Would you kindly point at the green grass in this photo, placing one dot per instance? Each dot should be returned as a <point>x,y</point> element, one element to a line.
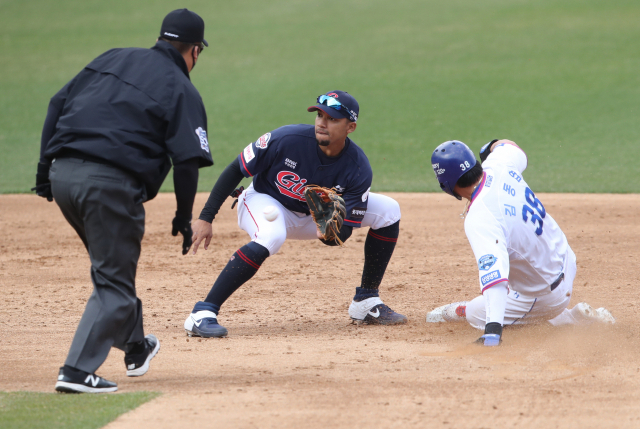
<point>29,410</point>
<point>560,77</point>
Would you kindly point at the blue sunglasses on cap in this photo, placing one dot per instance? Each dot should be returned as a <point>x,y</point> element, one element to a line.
<point>335,104</point>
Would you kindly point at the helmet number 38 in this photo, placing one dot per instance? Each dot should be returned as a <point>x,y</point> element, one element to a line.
<point>465,165</point>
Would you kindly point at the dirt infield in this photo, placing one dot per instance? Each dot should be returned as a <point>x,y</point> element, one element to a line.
<point>292,359</point>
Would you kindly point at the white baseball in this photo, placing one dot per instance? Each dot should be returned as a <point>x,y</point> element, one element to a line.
<point>270,213</point>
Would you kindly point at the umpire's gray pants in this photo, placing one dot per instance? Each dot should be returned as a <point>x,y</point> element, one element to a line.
<point>104,205</point>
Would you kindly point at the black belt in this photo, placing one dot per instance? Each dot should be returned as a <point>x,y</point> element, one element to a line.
<point>71,153</point>
<point>557,282</point>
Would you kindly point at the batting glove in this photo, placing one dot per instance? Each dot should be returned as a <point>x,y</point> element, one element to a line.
<point>183,226</point>
<point>486,150</point>
<point>489,340</point>
<point>43,185</point>
<point>492,335</point>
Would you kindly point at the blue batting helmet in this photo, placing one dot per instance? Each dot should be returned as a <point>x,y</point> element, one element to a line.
<point>450,161</point>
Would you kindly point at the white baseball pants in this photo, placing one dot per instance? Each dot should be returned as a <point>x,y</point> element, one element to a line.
<point>381,211</point>
<point>523,309</point>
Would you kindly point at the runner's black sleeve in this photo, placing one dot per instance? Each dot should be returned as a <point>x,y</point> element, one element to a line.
<point>185,182</point>
<point>227,183</point>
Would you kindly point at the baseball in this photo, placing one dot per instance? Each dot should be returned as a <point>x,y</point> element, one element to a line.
<point>270,213</point>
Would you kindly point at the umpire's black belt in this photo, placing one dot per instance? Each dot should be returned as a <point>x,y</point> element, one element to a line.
<point>71,153</point>
<point>557,282</point>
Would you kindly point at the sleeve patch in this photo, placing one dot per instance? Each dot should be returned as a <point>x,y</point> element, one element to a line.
<point>488,278</point>
<point>263,141</point>
<point>358,212</point>
<point>486,262</point>
<point>248,153</point>
<point>202,135</point>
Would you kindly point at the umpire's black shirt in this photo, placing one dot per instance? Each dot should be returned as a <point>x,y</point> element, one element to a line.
<point>132,108</point>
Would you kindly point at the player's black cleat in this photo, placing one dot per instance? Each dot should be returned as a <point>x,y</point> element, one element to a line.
<point>138,363</point>
<point>208,328</point>
<point>71,380</point>
<point>382,315</point>
<point>492,335</point>
<point>203,322</point>
<point>373,311</point>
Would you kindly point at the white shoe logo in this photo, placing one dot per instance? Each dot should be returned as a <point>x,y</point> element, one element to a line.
<point>197,323</point>
<point>376,314</point>
<point>93,379</point>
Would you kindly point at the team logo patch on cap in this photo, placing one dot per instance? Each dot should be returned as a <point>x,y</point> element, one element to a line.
<point>486,262</point>
<point>263,141</point>
<point>202,135</point>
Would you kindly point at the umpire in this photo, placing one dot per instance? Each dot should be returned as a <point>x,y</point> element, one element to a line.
<point>109,140</point>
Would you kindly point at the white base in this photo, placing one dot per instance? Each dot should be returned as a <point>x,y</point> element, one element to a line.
<point>446,313</point>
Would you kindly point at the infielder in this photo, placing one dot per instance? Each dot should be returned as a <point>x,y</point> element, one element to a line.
<point>282,162</point>
<point>526,267</point>
<point>108,142</point>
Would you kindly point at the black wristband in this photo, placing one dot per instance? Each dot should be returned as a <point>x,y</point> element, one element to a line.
<point>493,328</point>
<point>486,150</point>
<point>42,174</point>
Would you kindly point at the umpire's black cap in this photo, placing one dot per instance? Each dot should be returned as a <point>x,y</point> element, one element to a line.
<point>183,25</point>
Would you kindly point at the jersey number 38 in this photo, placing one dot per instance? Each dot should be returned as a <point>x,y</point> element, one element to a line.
<point>533,203</point>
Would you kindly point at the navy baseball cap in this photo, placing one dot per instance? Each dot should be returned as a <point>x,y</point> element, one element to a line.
<point>337,104</point>
<point>182,25</point>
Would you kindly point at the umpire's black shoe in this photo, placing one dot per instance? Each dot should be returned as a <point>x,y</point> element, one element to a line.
<point>72,380</point>
<point>138,363</point>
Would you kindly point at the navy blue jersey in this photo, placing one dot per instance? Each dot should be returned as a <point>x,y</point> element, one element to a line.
<point>285,160</point>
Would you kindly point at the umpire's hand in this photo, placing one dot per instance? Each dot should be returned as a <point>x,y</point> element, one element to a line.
<point>43,186</point>
<point>183,226</point>
<point>201,231</point>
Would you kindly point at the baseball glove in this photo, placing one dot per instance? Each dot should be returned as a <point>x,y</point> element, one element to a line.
<point>327,210</point>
